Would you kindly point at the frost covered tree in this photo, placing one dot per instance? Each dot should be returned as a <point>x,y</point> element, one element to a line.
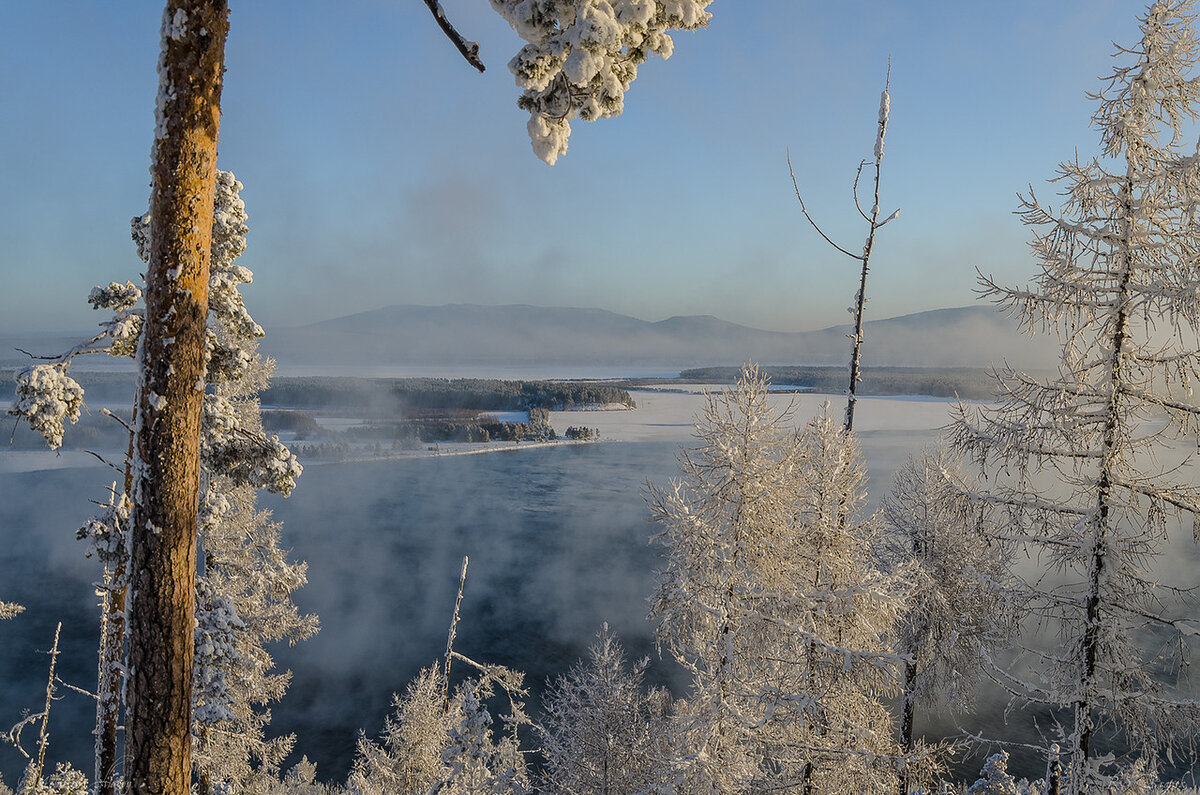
<point>440,739</point>
<point>245,582</point>
<point>243,590</point>
<point>434,744</point>
<point>582,55</point>
<point>961,600</point>
<point>1085,467</point>
<point>244,585</point>
<point>602,733</point>
<point>774,601</point>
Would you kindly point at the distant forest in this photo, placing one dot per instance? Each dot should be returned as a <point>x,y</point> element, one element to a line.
<point>969,383</point>
<point>390,396</point>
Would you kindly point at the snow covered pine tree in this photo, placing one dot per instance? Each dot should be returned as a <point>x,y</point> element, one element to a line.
<point>1083,464</point>
<point>772,598</point>
<point>245,585</point>
<point>601,731</point>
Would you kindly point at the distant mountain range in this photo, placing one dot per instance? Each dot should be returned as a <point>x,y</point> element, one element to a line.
<point>469,334</point>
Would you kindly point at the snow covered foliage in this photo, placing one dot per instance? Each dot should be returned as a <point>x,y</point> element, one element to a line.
<point>10,610</point>
<point>994,779</point>
<point>65,780</point>
<point>582,55</point>
<point>601,730</point>
<point>961,602</point>
<point>479,759</point>
<point>245,585</point>
<point>1093,470</point>
<point>438,744</point>
<point>47,398</point>
<point>125,326</point>
<point>408,759</point>
<point>774,601</point>
<point>217,626</point>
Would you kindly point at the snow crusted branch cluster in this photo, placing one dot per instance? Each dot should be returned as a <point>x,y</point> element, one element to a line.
<point>582,56</point>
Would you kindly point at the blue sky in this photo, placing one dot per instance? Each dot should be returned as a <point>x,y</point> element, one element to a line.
<point>381,169</point>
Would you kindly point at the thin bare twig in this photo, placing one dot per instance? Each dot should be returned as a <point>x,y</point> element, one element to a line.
<point>124,424</point>
<point>103,460</point>
<point>462,584</point>
<point>804,210</point>
<point>857,176</point>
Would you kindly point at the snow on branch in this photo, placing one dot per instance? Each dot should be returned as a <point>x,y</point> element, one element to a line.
<point>469,49</point>
<point>582,55</point>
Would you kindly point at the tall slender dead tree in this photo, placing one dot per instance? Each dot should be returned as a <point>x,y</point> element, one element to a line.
<point>873,226</point>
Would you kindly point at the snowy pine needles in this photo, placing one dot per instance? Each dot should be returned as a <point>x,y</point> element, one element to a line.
<point>582,56</point>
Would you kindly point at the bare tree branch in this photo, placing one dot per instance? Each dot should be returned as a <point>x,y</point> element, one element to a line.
<point>804,210</point>
<point>469,49</point>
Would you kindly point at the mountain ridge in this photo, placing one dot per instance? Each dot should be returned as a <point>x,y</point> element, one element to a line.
<point>516,334</point>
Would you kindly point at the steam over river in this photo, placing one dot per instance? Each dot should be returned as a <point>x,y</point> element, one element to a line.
<point>558,537</point>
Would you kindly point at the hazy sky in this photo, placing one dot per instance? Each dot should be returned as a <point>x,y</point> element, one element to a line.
<point>381,169</point>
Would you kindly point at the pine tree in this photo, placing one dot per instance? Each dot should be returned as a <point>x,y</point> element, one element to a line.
<point>243,591</point>
<point>1082,464</point>
<point>167,429</point>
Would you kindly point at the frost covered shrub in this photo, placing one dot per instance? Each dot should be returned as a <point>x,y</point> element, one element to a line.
<point>773,599</point>
<point>994,779</point>
<point>601,730</point>
<point>65,780</point>
<point>442,742</point>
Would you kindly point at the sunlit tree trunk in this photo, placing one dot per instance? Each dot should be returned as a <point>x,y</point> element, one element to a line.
<point>166,463</point>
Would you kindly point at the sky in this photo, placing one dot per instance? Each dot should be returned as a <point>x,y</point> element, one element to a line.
<point>381,169</point>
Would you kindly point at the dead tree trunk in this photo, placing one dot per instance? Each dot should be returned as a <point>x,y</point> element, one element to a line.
<point>170,396</point>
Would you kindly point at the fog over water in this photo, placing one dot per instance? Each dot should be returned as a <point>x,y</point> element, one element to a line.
<point>559,541</point>
<point>558,537</point>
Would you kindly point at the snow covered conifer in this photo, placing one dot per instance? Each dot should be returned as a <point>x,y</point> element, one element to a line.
<point>601,731</point>
<point>1083,465</point>
<point>961,602</point>
<point>582,55</point>
<point>772,598</point>
<point>432,744</point>
<point>245,582</point>
<point>244,586</point>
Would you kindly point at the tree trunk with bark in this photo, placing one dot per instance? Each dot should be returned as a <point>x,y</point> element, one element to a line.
<point>170,397</point>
